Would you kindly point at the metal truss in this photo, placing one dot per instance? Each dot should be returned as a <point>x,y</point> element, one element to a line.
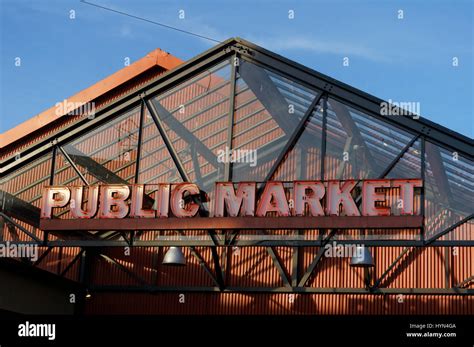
<point>14,210</point>
<point>252,53</point>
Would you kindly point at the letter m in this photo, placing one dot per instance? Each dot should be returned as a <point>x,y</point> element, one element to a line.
<point>240,203</point>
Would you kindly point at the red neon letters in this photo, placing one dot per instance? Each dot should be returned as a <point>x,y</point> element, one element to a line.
<point>310,198</point>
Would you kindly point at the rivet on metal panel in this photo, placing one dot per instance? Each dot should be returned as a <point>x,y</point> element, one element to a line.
<point>425,130</point>
<point>327,87</point>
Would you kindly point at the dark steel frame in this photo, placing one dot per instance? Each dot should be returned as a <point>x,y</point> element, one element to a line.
<point>307,290</point>
<point>249,51</point>
<point>238,49</point>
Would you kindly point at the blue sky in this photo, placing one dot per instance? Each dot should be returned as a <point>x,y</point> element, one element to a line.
<point>407,59</point>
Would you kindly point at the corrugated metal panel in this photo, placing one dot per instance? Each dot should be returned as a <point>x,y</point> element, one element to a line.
<point>251,267</point>
<point>420,268</point>
<point>247,266</point>
<point>237,303</point>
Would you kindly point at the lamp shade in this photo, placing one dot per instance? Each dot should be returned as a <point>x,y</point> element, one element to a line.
<point>174,257</point>
<point>362,257</point>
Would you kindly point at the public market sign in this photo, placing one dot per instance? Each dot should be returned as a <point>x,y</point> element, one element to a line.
<point>304,204</point>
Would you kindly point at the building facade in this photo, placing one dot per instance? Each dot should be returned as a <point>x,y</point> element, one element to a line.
<point>239,113</point>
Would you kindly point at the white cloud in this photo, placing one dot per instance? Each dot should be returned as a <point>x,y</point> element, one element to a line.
<point>282,44</point>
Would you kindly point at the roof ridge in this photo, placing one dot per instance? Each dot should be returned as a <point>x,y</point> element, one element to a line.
<point>157,57</point>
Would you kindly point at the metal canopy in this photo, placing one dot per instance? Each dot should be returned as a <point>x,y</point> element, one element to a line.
<point>252,101</point>
<point>252,52</point>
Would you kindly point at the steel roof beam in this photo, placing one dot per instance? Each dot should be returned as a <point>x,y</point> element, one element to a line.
<point>94,168</point>
<point>288,242</point>
<point>349,125</point>
<point>316,260</point>
<point>435,132</point>
<point>11,222</point>
<point>124,269</point>
<point>439,173</point>
<point>17,208</point>
<point>268,94</point>
<point>391,266</point>
<point>161,114</point>
<point>215,257</point>
<point>448,230</point>
<point>293,139</point>
<point>466,282</point>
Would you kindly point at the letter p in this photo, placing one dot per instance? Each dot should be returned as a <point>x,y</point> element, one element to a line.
<point>54,197</point>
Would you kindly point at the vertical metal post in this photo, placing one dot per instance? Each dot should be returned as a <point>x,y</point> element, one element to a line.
<point>51,182</point>
<point>2,220</point>
<point>422,196</point>
<point>224,256</point>
<point>60,256</point>
<point>230,126</point>
<point>2,226</point>
<point>300,175</point>
<point>139,151</point>
<point>82,267</point>
<point>140,137</point>
<point>324,136</point>
<point>53,166</point>
<point>295,264</point>
<point>84,276</point>
<point>372,271</point>
<point>235,62</point>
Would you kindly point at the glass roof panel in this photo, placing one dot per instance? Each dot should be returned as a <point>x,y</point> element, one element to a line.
<point>359,145</point>
<point>27,183</point>
<point>156,164</point>
<point>303,161</point>
<point>195,116</point>
<point>268,108</point>
<point>109,152</point>
<point>449,189</point>
<point>409,165</point>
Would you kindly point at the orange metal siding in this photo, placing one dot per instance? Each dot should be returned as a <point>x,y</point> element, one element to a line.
<point>65,121</point>
<point>247,266</point>
<point>253,304</point>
